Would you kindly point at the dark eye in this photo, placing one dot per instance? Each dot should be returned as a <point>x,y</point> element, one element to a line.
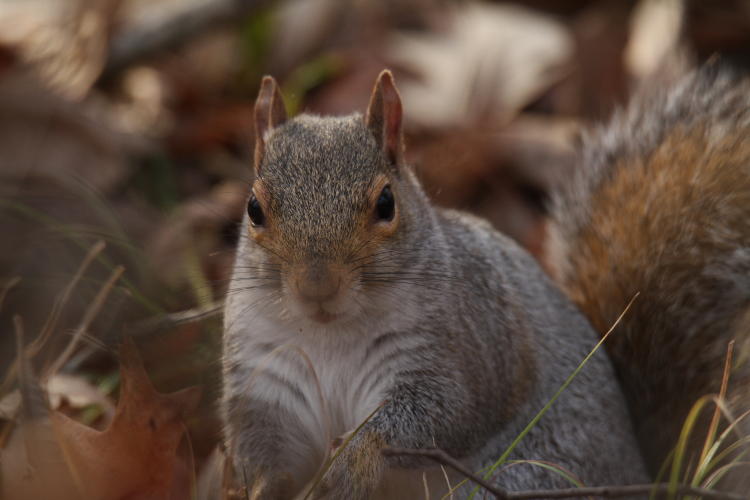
<point>255,212</point>
<point>385,206</point>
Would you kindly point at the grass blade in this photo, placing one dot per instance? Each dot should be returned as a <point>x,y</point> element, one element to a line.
<point>554,398</point>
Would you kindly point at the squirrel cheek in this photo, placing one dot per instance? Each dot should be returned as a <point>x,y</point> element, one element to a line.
<point>386,229</point>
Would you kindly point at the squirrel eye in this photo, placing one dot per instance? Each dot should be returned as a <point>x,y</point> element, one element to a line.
<point>385,206</point>
<point>255,212</point>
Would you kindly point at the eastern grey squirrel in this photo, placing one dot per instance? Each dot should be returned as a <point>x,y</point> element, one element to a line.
<point>354,301</point>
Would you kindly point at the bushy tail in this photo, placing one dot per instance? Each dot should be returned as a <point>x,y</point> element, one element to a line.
<point>661,206</point>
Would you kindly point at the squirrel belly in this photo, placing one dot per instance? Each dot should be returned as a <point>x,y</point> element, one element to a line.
<point>661,206</point>
<point>355,305</point>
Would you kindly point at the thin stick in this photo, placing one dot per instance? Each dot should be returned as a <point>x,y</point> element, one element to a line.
<point>33,400</point>
<point>60,304</point>
<point>6,288</point>
<point>441,457</point>
<point>166,321</point>
<point>722,396</point>
<point>50,325</point>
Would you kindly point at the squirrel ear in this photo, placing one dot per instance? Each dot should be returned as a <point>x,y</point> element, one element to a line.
<point>384,116</point>
<point>269,113</point>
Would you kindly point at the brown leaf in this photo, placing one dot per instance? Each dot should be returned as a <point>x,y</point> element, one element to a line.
<point>135,457</point>
<point>490,62</point>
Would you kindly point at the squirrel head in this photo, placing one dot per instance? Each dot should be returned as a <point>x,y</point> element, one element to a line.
<point>328,200</point>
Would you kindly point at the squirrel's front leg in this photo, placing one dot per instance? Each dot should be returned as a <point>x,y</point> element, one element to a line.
<point>258,445</point>
<point>356,470</point>
<point>420,412</point>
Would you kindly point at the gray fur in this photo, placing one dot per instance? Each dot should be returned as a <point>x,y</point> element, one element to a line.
<point>464,342</point>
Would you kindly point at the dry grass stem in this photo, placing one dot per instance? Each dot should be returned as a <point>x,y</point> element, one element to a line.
<point>443,458</point>
<point>83,327</point>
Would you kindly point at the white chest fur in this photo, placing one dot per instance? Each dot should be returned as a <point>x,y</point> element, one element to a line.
<point>328,381</point>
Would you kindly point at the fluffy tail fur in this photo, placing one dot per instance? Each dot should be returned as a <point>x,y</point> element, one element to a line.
<point>661,206</point>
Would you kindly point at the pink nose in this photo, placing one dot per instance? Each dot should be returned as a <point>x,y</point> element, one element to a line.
<point>316,283</point>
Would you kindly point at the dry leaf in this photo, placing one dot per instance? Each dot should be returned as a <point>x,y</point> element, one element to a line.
<point>65,41</point>
<point>73,389</point>
<point>493,60</point>
<point>656,31</point>
<point>78,392</point>
<point>135,457</point>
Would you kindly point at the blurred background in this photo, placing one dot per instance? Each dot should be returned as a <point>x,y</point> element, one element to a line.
<point>129,122</point>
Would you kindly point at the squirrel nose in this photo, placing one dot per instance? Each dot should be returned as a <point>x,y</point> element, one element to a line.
<point>317,283</point>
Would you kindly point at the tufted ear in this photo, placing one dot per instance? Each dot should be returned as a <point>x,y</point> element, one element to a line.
<point>269,113</point>
<point>384,117</point>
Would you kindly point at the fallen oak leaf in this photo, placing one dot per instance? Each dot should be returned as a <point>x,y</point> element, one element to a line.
<point>136,457</point>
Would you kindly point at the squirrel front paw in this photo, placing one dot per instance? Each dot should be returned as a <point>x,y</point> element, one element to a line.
<point>356,471</point>
<point>264,485</point>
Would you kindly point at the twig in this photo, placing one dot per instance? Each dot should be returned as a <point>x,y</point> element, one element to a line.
<point>50,324</point>
<point>441,457</point>
<point>173,29</point>
<point>722,396</point>
<point>83,327</point>
<point>6,288</point>
<point>171,320</point>
<point>149,326</point>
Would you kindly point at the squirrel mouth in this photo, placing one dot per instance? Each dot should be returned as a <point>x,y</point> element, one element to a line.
<point>323,316</point>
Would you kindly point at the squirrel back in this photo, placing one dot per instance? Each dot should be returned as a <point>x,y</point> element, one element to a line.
<point>660,206</point>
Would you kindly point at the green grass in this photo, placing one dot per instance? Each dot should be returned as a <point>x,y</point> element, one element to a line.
<point>504,457</point>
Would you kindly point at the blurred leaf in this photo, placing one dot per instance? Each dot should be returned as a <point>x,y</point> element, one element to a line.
<point>308,76</point>
<point>656,31</point>
<point>78,392</point>
<point>490,62</point>
<point>65,41</point>
<point>255,46</point>
<point>156,180</point>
